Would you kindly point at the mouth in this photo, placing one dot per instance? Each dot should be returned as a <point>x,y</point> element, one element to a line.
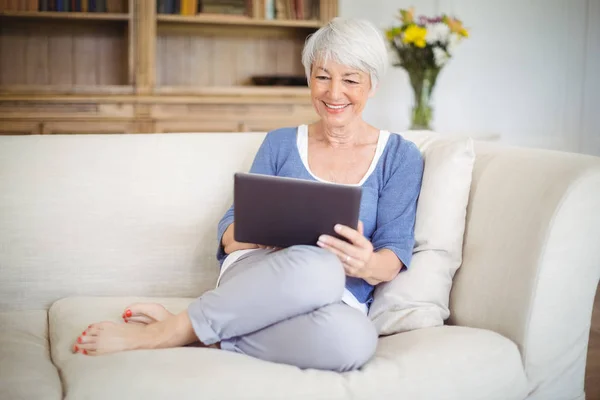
<point>335,107</point>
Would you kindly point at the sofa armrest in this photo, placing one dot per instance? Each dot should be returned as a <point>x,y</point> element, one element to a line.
<point>531,260</point>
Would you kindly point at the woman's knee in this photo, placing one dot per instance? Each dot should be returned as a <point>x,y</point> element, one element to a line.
<point>318,270</point>
<point>356,340</point>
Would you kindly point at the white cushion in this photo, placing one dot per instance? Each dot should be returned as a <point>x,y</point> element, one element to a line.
<point>419,296</point>
<point>439,363</point>
<point>26,371</point>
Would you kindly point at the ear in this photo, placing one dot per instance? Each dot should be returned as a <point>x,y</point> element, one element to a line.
<point>373,90</point>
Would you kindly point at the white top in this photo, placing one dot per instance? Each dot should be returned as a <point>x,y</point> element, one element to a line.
<point>302,143</point>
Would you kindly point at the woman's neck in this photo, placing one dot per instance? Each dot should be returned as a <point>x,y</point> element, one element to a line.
<point>342,136</point>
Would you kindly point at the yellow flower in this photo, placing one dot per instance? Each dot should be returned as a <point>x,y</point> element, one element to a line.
<point>463,32</point>
<point>415,34</point>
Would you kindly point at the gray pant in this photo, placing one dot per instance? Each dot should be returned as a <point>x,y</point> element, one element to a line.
<point>285,306</point>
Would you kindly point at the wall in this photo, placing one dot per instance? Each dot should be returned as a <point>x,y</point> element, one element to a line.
<point>529,71</point>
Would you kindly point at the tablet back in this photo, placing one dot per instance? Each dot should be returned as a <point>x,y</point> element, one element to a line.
<point>282,212</point>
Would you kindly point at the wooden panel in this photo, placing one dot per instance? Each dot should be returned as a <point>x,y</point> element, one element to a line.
<point>36,68</point>
<point>45,15</point>
<point>218,19</point>
<point>55,53</point>
<point>17,127</point>
<point>13,50</point>
<point>201,60</point>
<point>87,127</point>
<point>144,34</point>
<point>268,125</point>
<point>236,112</point>
<point>61,109</point>
<point>192,126</point>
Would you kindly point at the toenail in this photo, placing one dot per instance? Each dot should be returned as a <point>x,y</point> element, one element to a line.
<point>76,349</point>
<point>84,352</point>
<point>79,339</point>
<point>89,326</point>
<point>83,334</point>
<point>128,313</point>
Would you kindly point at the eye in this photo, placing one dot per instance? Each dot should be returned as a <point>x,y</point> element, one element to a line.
<point>351,82</point>
<point>322,77</point>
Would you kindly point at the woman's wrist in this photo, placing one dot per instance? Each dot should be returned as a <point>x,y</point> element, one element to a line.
<point>384,266</point>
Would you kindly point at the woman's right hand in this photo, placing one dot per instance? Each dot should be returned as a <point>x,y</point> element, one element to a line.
<point>230,244</point>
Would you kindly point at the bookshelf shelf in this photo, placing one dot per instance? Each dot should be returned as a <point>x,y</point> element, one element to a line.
<point>66,15</point>
<point>221,19</point>
<point>67,90</point>
<point>271,91</point>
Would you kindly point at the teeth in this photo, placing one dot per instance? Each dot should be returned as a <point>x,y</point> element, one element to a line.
<point>335,107</point>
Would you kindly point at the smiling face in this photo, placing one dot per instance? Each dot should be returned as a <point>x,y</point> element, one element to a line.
<point>339,93</point>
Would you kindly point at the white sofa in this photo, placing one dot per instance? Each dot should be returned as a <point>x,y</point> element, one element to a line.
<point>89,224</point>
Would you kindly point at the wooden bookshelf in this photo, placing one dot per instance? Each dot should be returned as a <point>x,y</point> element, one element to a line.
<point>65,15</point>
<point>241,20</point>
<point>140,71</point>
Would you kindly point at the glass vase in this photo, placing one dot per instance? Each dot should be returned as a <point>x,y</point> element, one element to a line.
<point>423,83</point>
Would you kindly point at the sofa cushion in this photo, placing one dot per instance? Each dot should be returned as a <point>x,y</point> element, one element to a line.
<point>444,362</point>
<point>26,371</point>
<point>114,215</point>
<point>419,296</point>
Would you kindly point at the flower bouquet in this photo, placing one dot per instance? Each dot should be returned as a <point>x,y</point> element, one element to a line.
<point>422,48</point>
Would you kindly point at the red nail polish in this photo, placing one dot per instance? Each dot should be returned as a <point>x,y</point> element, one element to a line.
<point>79,339</point>
<point>84,352</point>
<point>83,334</point>
<point>76,349</point>
<point>128,313</point>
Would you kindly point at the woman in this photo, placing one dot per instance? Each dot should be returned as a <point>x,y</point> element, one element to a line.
<point>304,305</point>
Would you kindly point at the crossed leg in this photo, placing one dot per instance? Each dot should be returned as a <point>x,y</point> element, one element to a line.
<point>267,303</point>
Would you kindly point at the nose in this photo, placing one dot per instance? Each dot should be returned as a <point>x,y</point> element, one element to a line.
<point>335,89</point>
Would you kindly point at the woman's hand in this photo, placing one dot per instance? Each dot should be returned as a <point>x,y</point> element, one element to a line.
<point>230,244</point>
<point>356,256</point>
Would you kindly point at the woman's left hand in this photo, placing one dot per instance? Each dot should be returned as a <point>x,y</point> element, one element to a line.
<point>355,256</point>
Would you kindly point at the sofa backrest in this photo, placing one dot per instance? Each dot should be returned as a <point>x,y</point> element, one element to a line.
<point>113,215</point>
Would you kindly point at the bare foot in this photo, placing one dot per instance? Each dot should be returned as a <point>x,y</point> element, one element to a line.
<point>145,313</point>
<point>109,337</point>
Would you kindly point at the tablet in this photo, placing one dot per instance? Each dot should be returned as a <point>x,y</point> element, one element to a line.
<point>283,212</point>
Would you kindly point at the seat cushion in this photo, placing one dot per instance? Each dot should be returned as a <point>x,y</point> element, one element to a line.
<point>26,371</point>
<point>434,363</point>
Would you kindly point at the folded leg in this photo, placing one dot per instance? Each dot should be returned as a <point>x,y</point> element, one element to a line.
<point>267,287</point>
<point>336,337</point>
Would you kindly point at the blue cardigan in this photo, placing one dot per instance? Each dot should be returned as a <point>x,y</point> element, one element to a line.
<point>389,195</point>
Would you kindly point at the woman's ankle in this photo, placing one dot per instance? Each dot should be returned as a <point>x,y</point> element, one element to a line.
<point>175,331</point>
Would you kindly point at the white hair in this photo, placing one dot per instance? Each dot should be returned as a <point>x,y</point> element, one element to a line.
<point>352,42</point>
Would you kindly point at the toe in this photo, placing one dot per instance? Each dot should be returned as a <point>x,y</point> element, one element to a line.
<point>155,311</point>
<point>83,339</point>
<point>140,319</point>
